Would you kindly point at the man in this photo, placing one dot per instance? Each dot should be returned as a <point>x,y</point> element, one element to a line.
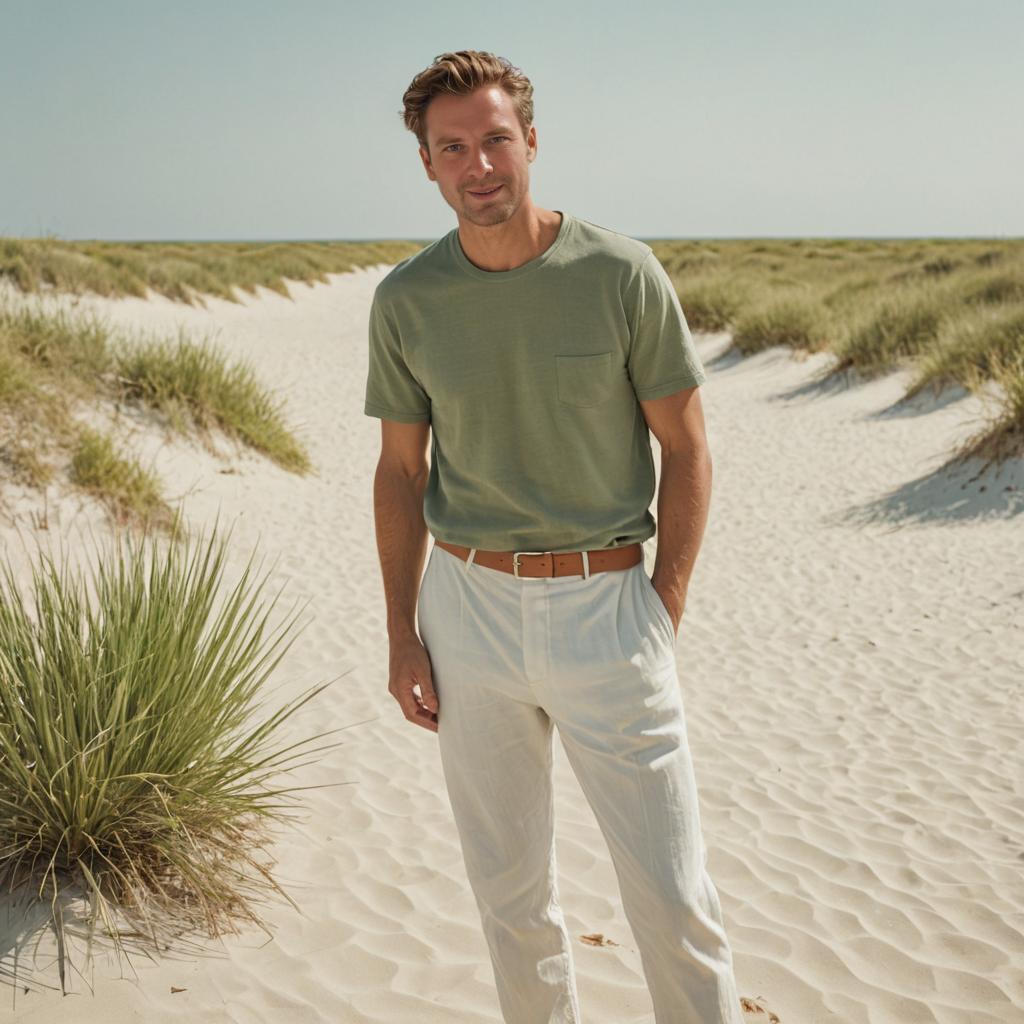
<point>535,350</point>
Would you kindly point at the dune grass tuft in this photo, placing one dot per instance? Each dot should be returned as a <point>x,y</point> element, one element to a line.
<point>969,347</point>
<point>131,492</point>
<point>710,304</point>
<point>194,387</point>
<point>994,288</point>
<point>801,323</point>
<point>134,769</point>
<point>67,346</point>
<point>900,326</point>
<point>1002,436</point>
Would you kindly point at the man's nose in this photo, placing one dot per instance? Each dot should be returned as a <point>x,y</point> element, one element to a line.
<point>481,161</point>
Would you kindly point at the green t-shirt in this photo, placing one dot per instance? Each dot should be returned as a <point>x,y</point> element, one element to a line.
<point>530,379</point>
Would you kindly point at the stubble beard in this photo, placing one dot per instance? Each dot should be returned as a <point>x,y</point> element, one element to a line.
<point>497,213</point>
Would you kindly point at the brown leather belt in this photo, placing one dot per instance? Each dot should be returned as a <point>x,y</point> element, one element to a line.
<point>537,564</point>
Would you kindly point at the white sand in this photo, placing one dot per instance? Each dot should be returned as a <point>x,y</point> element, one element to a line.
<point>852,658</point>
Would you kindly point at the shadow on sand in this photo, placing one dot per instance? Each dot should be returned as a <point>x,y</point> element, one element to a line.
<point>34,959</point>
<point>968,489</point>
<point>954,491</point>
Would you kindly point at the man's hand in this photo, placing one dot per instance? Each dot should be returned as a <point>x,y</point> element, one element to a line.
<point>409,666</point>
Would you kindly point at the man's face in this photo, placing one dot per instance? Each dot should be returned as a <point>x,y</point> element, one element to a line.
<point>476,143</point>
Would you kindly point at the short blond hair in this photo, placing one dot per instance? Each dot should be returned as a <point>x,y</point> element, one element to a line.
<point>461,72</point>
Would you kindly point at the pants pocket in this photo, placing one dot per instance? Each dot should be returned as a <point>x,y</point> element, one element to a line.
<point>660,609</point>
<point>425,599</point>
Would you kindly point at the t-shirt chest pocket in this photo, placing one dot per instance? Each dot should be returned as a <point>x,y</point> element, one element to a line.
<point>584,380</point>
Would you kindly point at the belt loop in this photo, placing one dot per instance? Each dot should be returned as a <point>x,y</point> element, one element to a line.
<point>469,560</point>
<point>586,565</point>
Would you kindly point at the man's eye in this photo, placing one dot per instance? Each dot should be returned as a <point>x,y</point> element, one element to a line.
<point>453,145</point>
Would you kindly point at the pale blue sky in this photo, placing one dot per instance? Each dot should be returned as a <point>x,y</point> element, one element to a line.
<point>265,120</point>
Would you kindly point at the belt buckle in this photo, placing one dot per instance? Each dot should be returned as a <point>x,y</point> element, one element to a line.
<point>515,564</point>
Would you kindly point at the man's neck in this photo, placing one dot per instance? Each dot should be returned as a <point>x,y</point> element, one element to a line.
<point>509,245</point>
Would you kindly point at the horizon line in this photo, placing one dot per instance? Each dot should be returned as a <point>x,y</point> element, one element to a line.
<point>653,238</point>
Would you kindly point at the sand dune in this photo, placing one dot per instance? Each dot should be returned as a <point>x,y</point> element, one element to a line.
<point>852,658</point>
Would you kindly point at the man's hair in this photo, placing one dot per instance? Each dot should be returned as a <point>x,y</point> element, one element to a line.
<point>461,72</point>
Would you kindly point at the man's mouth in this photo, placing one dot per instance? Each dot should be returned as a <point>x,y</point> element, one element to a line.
<point>486,193</point>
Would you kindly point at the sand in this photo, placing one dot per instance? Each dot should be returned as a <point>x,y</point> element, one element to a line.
<point>851,657</point>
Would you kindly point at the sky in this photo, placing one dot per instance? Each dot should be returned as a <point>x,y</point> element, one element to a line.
<point>713,119</point>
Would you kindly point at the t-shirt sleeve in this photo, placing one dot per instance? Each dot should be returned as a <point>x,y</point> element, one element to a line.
<point>392,392</point>
<point>662,356</point>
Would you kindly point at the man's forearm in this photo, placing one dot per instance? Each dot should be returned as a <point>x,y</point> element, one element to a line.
<point>401,545</point>
<point>684,495</point>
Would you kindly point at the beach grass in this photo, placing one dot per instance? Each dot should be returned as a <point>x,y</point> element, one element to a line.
<point>950,311</point>
<point>136,769</point>
<point>183,271</point>
<point>712,303</point>
<point>55,363</point>
<point>1003,435</point>
<point>195,388</point>
<point>130,491</point>
<point>891,328</point>
<point>973,343</point>
<point>794,320</point>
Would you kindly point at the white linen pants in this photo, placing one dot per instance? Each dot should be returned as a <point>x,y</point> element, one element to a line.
<point>595,656</point>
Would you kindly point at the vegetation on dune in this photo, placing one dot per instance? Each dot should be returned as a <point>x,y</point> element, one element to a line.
<point>131,492</point>
<point>970,347</point>
<point>134,774</point>
<point>195,388</point>
<point>183,271</point>
<point>134,769</point>
<point>950,310</point>
<point>891,329</point>
<point>54,364</point>
<point>711,303</point>
<point>796,321</point>
<point>1003,436</point>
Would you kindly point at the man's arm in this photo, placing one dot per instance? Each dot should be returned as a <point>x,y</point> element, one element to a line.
<point>401,544</point>
<point>684,492</point>
<point>398,487</point>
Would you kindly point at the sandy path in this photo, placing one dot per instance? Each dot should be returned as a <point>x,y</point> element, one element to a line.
<point>851,657</point>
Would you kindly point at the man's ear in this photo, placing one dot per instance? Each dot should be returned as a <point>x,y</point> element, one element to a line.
<point>425,157</point>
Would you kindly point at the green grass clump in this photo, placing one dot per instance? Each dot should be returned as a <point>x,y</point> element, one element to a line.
<point>797,322</point>
<point>67,347</point>
<point>994,288</point>
<point>845,295</point>
<point>194,387</point>
<point>710,304</point>
<point>38,387</point>
<point>899,326</point>
<point>970,347</point>
<point>131,492</point>
<point>1003,436</point>
<point>16,382</point>
<point>133,766</point>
